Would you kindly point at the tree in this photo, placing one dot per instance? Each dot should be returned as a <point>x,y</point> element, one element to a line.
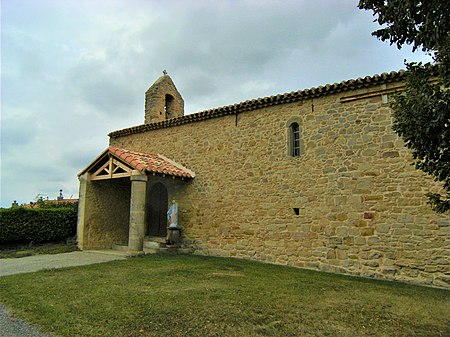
<point>421,113</point>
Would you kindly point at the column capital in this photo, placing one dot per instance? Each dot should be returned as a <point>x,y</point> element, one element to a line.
<point>83,177</point>
<point>138,176</point>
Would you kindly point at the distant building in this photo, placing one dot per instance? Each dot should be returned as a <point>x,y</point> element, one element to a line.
<point>59,200</point>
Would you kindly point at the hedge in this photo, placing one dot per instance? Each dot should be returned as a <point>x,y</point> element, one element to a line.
<point>24,225</point>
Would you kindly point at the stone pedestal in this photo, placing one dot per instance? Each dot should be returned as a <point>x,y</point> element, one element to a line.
<point>173,236</point>
<point>137,211</point>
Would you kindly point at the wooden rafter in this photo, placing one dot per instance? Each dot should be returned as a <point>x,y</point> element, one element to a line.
<point>112,168</point>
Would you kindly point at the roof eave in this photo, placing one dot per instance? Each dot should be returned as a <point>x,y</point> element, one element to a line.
<point>93,162</point>
<point>258,103</point>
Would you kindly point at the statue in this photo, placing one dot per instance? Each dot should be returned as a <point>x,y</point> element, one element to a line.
<point>172,215</point>
<point>173,231</point>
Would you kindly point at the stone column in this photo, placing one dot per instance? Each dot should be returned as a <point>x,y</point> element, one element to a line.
<point>137,211</point>
<point>81,210</point>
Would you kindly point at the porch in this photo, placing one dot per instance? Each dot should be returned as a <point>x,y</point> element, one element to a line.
<point>124,197</point>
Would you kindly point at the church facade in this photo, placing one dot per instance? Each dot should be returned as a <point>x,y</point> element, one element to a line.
<point>314,179</point>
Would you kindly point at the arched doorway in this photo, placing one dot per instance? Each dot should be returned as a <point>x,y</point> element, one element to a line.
<point>157,210</point>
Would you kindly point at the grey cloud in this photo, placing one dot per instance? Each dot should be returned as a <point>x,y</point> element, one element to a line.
<point>79,159</point>
<point>17,132</point>
<point>237,43</point>
<point>29,186</point>
<point>200,84</point>
<point>22,54</point>
<point>107,94</point>
<point>44,174</point>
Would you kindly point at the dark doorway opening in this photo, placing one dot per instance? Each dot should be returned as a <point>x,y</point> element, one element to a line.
<point>157,210</point>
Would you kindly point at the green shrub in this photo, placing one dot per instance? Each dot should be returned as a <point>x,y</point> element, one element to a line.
<point>22,225</point>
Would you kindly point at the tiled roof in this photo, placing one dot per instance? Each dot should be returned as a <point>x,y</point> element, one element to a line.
<point>154,163</point>
<point>258,103</point>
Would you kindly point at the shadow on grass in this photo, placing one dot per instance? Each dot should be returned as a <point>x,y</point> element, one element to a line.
<point>183,295</point>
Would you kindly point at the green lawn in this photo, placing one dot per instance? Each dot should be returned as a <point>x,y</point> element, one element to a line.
<point>181,295</point>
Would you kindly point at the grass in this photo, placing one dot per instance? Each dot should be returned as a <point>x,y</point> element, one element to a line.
<point>181,295</point>
<point>16,251</point>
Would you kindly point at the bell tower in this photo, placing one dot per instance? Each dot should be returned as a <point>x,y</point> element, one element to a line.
<point>163,101</point>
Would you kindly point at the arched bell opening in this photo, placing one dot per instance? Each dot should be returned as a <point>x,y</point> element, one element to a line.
<point>168,106</point>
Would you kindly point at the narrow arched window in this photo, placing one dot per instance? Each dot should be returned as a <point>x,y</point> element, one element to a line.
<point>294,135</point>
<point>168,106</point>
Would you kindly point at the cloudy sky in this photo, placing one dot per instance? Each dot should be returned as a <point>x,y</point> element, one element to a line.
<point>74,70</point>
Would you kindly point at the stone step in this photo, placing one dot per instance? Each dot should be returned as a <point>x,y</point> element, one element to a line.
<point>171,250</point>
<point>155,239</point>
<point>154,244</point>
<point>185,250</point>
<point>154,250</point>
<point>153,247</point>
<point>121,247</point>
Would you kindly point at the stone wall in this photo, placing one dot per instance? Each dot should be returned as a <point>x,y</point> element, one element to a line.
<point>107,213</point>
<point>361,205</point>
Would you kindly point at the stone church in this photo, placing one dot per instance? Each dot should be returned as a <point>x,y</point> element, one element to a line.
<point>314,178</point>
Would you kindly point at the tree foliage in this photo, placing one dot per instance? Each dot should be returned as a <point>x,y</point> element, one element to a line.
<point>420,23</point>
<point>422,119</point>
<point>421,113</point>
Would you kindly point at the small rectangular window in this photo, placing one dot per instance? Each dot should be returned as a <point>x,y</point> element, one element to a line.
<point>296,210</point>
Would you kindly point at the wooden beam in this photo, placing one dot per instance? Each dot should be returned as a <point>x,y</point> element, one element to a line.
<point>104,167</point>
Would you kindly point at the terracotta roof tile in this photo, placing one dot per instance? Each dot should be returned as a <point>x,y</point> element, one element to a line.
<point>258,103</point>
<point>154,163</point>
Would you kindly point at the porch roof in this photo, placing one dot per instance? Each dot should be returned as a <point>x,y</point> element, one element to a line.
<point>143,162</point>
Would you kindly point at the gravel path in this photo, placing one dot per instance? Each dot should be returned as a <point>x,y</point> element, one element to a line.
<point>15,327</point>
